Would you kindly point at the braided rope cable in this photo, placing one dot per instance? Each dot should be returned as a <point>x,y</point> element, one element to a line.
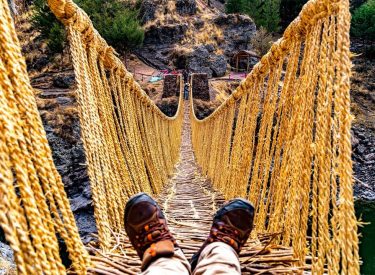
<point>281,140</point>
<point>35,207</point>
<point>287,146</point>
<point>130,146</point>
<point>127,139</point>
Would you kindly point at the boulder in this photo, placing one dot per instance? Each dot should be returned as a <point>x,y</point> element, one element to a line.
<point>7,264</point>
<point>80,203</point>
<point>237,29</point>
<point>218,65</point>
<point>186,7</point>
<point>363,162</point>
<point>201,60</point>
<point>197,61</point>
<point>63,81</point>
<point>147,10</point>
<point>166,34</point>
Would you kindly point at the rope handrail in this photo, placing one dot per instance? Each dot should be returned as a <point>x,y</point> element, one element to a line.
<point>311,12</point>
<point>70,14</point>
<point>130,146</point>
<point>128,122</point>
<point>282,140</point>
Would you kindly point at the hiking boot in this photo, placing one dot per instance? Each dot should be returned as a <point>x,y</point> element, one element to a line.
<point>147,229</point>
<point>232,225</point>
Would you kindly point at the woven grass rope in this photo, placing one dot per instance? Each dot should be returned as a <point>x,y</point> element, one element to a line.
<point>288,148</point>
<point>282,140</point>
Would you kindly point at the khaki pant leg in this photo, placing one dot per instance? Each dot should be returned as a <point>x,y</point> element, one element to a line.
<point>217,259</point>
<point>178,264</point>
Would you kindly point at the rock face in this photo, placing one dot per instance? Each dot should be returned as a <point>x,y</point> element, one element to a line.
<point>148,10</point>
<point>186,7</point>
<point>363,144</point>
<point>218,65</point>
<point>7,264</point>
<point>238,31</point>
<point>230,33</point>
<point>166,34</point>
<point>67,148</point>
<point>70,162</point>
<point>363,130</point>
<point>201,60</point>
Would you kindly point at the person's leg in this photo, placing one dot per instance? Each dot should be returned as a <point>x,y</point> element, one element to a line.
<point>148,232</point>
<point>230,230</point>
<point>177,264</point>
<point>218,258</point>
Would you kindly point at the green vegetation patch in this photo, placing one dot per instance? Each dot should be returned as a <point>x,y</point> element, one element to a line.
<point>116,21</point>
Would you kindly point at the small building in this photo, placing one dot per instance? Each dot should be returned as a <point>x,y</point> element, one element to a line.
<point>244,60</point>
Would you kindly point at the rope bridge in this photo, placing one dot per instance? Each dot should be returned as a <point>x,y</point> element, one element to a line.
<point>282,140</point>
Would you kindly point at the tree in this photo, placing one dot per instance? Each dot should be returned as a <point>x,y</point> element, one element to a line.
<point>363,21</point>
<point>265,13</point>
<point>50,28</point>
<point>354,4</point>
<point>289,10</point>
<point>235,6</point>
<point>272,15</point>
<point>116,21</point>
<point>254,8</point>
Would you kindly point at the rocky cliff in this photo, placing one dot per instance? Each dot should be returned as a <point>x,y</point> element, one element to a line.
<point>186,34</point>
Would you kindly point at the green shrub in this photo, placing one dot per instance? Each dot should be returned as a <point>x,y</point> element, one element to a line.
<point>50,28</point>
<point>116,21</point>
<point>56,38</point>
<point>354,4</point>
<point>363,21</point>
<point>234,6</point>
<point>262,41</point>
<point>289,10</point>
<point>265,13</point>
<point>268,15</point>
<point>124,32</point>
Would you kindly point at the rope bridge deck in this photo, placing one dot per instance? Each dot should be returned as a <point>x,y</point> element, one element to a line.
<point>189,203</point>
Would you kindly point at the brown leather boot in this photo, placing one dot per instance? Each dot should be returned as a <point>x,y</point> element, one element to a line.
<point>147,229</point>
<point>232,225</point>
